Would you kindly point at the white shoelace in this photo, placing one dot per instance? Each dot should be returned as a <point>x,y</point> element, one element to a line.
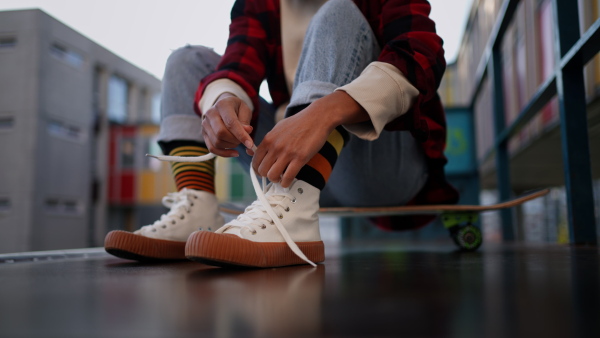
<point>179,202</point>
<point>257,210</point>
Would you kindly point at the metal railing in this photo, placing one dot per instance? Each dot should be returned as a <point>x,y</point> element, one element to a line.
<point>572,51</point>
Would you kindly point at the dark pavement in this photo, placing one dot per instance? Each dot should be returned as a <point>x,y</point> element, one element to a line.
<point>377,289</point>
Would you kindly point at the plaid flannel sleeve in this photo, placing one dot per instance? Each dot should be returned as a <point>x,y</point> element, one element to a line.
<point>245,58</point>
<point>412,44</point>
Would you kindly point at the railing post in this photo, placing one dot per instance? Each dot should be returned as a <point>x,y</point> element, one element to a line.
<point>574,130</point>
<point>502,156</point>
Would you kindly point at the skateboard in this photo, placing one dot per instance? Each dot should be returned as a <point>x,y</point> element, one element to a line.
<point>458,219</point>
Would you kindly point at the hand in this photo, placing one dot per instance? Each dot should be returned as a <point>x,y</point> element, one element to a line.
<point>226,125</point>
<point>296,139</point>
<point>288,147</point>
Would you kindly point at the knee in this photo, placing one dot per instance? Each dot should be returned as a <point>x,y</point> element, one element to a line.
<point>338,6</point>
<point>187,58</point>
<point>337,17</point>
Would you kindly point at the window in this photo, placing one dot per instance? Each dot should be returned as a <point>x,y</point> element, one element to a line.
<point>65,131</point>
<point>6,122</point>
<point>118,94</point>
<point>52,204</point>
<point>127,154</point>
<point>7,42</point>
<point>55,205</point>
<point>546,47</point>
<point>151,147</point>
<point>4,204</point>
<point>71,207</point>
<point>156,102</point>
<point>68,56</point>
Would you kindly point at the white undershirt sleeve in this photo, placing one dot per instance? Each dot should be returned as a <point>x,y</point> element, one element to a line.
<point>385,93</point>
<point>218,87</point>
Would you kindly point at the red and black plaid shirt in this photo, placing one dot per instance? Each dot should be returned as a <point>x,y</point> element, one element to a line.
<point>408,41</point>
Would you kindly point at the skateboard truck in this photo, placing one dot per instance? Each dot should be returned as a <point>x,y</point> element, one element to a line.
<point>460,225</point>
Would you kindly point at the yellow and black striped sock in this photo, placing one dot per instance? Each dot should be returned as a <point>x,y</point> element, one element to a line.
<point>198,176</point>
<point>317,171</point>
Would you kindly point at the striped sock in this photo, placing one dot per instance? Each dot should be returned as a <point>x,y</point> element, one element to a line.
<point>198,176</point>
<point>317,171</point>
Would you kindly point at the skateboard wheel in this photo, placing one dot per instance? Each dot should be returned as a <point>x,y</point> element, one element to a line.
<point>468,238</point>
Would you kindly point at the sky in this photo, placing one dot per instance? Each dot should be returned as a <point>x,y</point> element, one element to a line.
<point>144,32</point>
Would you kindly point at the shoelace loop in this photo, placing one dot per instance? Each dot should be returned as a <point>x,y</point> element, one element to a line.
<point>265,204</point>
<point>178,203</point>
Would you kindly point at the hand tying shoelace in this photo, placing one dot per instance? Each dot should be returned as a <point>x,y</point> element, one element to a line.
<point>263,205</point>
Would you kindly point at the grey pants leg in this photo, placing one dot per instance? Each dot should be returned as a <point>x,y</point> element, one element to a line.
<point>391,170</point>
<point>185,68</point>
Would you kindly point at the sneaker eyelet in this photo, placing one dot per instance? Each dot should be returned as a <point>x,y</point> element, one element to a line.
<point>280,216</point>
<point>200,228</point>
<point>182,217</point>
<point>271,222</point>
<point>153,230</point>
<point>300,190</point>
<point>191,204</point>
<point>263,226</point>
<point>209,229</point>
<point>164,226</point>
<point>294,200</point>
<point>195,197</point>
<point>287,209</point>
<point>254,232</point>
<point>172,222</point>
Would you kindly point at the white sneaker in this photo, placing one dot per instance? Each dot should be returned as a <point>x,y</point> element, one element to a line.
<point>191,210</point>
<point>281,228</point>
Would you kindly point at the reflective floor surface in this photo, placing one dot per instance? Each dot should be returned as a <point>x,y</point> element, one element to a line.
<point>383,289</point>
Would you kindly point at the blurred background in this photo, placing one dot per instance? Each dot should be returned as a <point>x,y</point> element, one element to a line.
<point>80,107</point>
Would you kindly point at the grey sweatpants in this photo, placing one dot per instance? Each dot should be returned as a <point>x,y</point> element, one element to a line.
<point>338,45</point>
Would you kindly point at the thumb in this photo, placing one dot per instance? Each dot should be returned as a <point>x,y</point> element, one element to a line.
<point>244,113</point>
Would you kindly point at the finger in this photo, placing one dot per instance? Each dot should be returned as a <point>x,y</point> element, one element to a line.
<point>235,126</point>
<point>220,152</point>
<point>276,171</point>
<point>209,141</point>
<point>216,141</point>
<point>259,154</point>
<point>248,128</point>
<point>207,132</point>
<point>249,152</point>
<point>245,114</point>
<point>225,145</point>
<point>221,132</point>
<point>290,173</point>
<point>266,164</point>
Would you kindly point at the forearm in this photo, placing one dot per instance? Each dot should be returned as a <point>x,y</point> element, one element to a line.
<point>335,109</point>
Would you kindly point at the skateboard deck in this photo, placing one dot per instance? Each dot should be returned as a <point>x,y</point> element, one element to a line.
<point>458,219</point>
<point>438,209</point>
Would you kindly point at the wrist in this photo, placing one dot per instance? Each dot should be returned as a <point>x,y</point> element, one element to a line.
<point>224,95</point>
<point>338,108</point>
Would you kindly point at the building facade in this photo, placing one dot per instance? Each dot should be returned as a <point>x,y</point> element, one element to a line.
<point>75,120</point>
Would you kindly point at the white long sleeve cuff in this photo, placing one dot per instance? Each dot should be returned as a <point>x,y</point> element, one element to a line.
<point>384,92</point>
<point>218,87</point>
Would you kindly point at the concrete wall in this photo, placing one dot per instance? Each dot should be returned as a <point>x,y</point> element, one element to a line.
<point>53,87</point>
<point>19,90</point>
<point>63,156</point>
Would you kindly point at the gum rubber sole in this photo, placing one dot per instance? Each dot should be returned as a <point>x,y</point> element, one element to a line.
<point>229,250</point>
<point>127,245</point>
